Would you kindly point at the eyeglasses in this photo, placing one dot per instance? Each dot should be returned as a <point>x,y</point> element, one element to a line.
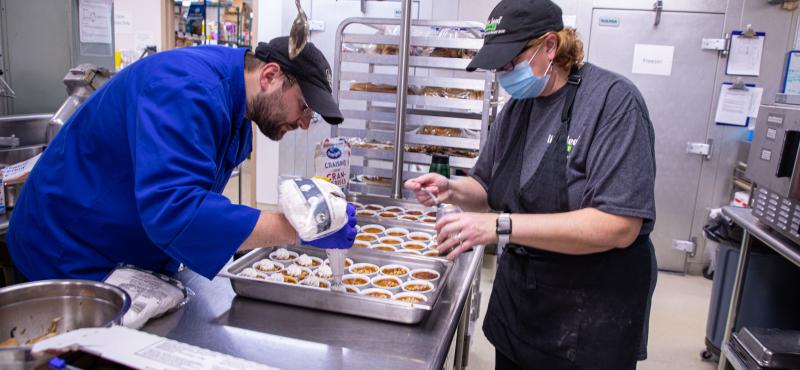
<point>307,114</point>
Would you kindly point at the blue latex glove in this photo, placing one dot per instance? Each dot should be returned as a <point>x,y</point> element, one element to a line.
<point>342,239</point>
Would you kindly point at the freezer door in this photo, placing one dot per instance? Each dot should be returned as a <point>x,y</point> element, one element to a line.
<point>679,105</point>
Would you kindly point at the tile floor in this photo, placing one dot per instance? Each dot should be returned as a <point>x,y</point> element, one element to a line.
<point>677,323</point>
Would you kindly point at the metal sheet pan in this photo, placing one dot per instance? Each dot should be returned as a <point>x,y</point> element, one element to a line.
<point>347,303</point>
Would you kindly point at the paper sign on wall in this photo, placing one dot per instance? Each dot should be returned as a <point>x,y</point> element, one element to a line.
<point>744,57</point>
<point>123,21</point>
<point>95,21</point>
<point>652,59</point>
<point>734,105</point>
<point>791,78</point>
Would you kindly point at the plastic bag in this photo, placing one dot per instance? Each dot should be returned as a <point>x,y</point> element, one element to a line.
<point>152,294</point>
<point>332,160</point>
<point>315,208</point>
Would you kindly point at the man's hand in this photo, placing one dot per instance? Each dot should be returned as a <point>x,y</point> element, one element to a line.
<point>341,239</point>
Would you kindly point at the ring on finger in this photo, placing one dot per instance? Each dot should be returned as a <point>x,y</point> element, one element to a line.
<point>458,237</point>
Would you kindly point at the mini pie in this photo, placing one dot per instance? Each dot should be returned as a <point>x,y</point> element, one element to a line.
<point>393,209</point>
<point>391,241</point>
<point>379,295</point>
<point>295,272</point>
<point>388,214</point>
<point>409,218</point>
<point>417,287</point>
<point>373,207</point>
<point>425,275</point>
<point>366,237</point>
<point>414,212</point>
<point>409,299</point>
<point>387,283</point>
<point>355,281</point>
<point>394,271</point>
<point>420,237</point>
<point>266,265</point>
<point>396,233</point>
<point>414,246</point>
<point>365,270</point>
<point>384,247</point>
<point>371,230</point>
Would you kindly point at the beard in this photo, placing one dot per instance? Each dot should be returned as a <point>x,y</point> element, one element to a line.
<point>266,110</point>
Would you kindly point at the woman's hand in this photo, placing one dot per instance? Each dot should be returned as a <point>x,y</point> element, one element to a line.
<point>434,183</point>
<point>462,231</point>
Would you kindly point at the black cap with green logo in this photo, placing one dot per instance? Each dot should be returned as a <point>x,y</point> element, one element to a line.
<point>511,25</point>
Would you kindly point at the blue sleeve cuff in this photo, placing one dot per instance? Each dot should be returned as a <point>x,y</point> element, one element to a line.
<point>214,234</point>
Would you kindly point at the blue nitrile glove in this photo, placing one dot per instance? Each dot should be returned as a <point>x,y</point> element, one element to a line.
<point>342,239</point>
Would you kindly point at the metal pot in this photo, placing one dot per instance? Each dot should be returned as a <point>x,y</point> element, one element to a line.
<point>27,310</point>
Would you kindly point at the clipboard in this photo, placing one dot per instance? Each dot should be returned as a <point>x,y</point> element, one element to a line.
<point>721,118</point>
<point>745,53</point>
<point>791,75</point>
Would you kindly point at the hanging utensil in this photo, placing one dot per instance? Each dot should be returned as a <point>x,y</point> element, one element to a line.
<point>298,36</point>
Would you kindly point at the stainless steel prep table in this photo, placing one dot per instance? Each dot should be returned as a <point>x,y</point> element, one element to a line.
<point>291,337</point>
<point>752,228</point>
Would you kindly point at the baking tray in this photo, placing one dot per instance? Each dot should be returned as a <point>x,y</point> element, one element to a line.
<point>341,302</point>
<point>770,348</point>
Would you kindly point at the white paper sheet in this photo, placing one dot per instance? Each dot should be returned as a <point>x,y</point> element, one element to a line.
<point>733,106</point>
<point>792,78</point>
<point>653,59</point>
<point>744,58</point>
<point>123,21</point>
<point>755,101</point>
<point>141,350</point>
<point>95,21</point>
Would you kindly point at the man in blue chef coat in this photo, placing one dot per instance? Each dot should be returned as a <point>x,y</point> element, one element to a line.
<point>135,175</point>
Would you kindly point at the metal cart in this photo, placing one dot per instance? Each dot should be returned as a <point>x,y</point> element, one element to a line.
<point>371,116</point>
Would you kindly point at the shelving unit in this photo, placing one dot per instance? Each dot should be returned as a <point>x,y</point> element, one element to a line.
<point>374,118</point>
<point>212,30</point>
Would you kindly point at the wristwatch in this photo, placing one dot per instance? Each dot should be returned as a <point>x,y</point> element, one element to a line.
<point>503,229</point>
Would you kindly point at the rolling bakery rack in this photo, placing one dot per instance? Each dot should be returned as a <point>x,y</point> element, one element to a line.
<point>448,110</point>
<point>405,95</point>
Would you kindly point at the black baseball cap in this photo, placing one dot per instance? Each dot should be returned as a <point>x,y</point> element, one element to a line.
<point>312,71</point>
<point>511,24</point>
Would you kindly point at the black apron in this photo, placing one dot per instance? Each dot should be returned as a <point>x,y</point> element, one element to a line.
<point>556,311</point>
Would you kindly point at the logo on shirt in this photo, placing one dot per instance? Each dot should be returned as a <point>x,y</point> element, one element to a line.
<point>571,142</point>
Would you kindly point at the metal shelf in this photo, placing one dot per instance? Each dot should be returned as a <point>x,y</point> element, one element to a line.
<point>382,135</point>
<point>428,101</point>
<point>413,157</point>
<point>380,115</point>
<point>414,61</point>
<point>733,358</point>
<point>416,119</point>
<point>436,42</point>
<point>383,78</point>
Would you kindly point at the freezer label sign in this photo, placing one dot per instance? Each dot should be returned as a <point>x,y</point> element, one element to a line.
<point>609,22</point>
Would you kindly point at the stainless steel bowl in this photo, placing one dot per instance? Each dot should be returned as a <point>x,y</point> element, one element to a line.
<point>27,310</point>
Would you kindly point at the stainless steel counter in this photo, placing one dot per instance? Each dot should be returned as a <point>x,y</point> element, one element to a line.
<point>776,241</point>
<point>752,229</point>
<point>291,337</point>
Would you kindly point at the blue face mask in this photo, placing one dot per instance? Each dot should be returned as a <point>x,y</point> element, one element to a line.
<point>521,82</point>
